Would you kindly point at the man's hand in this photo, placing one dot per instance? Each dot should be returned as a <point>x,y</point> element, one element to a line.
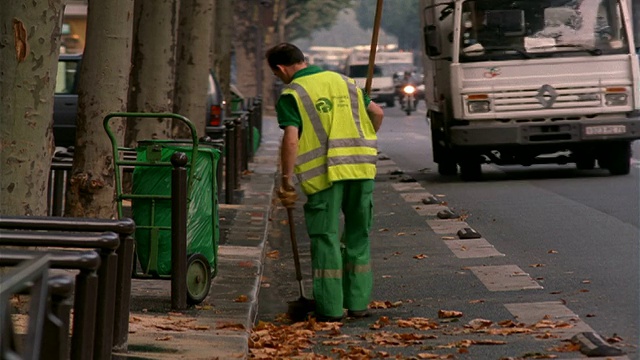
<point>287,194</point>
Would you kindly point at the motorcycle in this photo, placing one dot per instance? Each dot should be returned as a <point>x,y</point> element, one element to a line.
<point>408,103</point>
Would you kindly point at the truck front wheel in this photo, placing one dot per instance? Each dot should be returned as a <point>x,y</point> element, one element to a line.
<point>447,168</point>
<point>471,170</point>
<point>618,158</point>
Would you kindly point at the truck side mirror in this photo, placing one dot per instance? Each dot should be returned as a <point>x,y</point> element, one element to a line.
<point>431,41</point>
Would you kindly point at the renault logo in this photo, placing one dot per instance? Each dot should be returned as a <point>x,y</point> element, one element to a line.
<point>547,96</point>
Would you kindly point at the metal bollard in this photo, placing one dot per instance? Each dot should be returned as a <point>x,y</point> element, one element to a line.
<point>239,145</point>
<point>179,231</point>
<point>55,343</point>
<point>229,162</point>
<point>57,183</point>
<point>250,125</point>
<point>219,145</point>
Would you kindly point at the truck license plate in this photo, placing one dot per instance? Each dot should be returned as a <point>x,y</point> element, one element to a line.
<point>605,130</point>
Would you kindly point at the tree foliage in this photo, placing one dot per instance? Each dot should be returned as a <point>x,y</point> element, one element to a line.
<point>399,17</point>
<point>306,16</point>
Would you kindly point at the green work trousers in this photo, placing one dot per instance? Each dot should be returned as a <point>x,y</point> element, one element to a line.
<point>342,276</point>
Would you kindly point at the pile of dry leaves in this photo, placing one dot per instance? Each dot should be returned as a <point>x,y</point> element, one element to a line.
<point>297,341</point>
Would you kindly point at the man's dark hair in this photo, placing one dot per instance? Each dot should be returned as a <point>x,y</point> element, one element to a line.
<point>284,54</point>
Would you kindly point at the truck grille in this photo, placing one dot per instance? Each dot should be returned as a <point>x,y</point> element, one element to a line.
<point>548,97</point>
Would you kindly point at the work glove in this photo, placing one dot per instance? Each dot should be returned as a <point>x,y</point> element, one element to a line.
<point>287,194</point>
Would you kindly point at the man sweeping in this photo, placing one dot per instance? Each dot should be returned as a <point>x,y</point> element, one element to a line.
<point>329,142</point>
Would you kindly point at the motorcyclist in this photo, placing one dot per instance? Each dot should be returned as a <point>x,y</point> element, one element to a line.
<point>407,79</point>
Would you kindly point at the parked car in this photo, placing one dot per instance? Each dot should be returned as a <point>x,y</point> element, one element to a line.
<point>215,109</point>
<point>65,105</point>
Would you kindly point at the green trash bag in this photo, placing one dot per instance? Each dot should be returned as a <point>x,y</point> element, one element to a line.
<point>153,216</point>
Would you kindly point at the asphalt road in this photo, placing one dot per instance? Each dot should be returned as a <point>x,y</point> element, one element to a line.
<point>572,237</point>
<point>588,220</point>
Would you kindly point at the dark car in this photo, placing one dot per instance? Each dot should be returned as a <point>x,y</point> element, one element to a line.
<point>215,109</point>
<point>65,105</point>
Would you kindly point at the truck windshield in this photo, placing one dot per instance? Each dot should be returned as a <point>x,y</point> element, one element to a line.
<point>362,71</point>
<point>501,30</point>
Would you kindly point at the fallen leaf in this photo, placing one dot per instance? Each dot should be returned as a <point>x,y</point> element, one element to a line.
<point>476,324</point>
<point>489,342</point>
<point>567,347</point>
<point>552,252</point>
<point>477,301</point>
<point>401,234</point>
<point>420,256</point>
<point>383,230</point>
<point>428,356</point>
<point>536,265</point>
<point>231,326</point>
<point>614,339</point>
<point>446,314</point>
<point>273,254</point>
<point>241,299</point>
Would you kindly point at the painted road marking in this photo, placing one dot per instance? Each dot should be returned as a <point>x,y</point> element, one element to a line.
<point>431,210</point>
<point>413,186</point>
<point>496,278</point>
<point>505,278</point>
<point>449,226</point>
<point>475,248</point>
<point>415,197</point>
<point>554,311</point>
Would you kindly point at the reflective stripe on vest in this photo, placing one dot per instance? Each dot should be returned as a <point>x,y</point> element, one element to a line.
<point>358,153</point>
<point>327,274</point>
<point>357,269</point>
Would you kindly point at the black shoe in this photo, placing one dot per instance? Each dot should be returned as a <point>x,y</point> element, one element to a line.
<point>322,318</point>
<point>358,314</point>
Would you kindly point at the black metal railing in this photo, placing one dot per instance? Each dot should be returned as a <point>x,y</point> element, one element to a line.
<point>84,303</point>
<point>114,275</point>
<point>48,325</point>
<point>238,148</point>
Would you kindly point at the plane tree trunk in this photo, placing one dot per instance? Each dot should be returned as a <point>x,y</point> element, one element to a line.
<point>29,49</point>
<point>192,63</point>
<point>152,77</point>
<point>102,89</point>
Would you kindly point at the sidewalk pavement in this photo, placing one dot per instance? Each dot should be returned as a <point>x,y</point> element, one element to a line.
<point>220,326</point>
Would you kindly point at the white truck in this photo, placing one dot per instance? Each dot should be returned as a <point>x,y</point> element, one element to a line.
<point>523,82</point>
<point>387,63</point>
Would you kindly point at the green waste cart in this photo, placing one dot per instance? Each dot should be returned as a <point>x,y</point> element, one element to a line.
<point>151,204</point>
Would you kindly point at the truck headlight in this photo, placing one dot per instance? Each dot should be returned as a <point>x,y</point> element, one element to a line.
<point>478,106</point>
<point>615,99</point>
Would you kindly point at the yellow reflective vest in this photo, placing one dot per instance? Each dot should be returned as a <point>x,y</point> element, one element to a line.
<point>338,141</point>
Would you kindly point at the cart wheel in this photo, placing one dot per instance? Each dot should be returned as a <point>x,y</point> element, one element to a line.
<point>198,278</point>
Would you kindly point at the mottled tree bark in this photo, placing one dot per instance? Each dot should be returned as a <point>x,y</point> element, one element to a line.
<point>103,89</point>
<point>29,49</point>
<point>152,76</point>
<point>221,43</point>
<point>192,63</point>
<point>246,46</point>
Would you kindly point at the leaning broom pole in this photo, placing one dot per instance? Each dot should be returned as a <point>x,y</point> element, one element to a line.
<point>374,46</point>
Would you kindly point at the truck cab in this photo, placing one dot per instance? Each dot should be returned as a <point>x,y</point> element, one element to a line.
<point>530,81</point>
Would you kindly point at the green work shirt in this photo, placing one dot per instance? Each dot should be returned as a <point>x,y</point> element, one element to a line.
<point>287,108</point>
